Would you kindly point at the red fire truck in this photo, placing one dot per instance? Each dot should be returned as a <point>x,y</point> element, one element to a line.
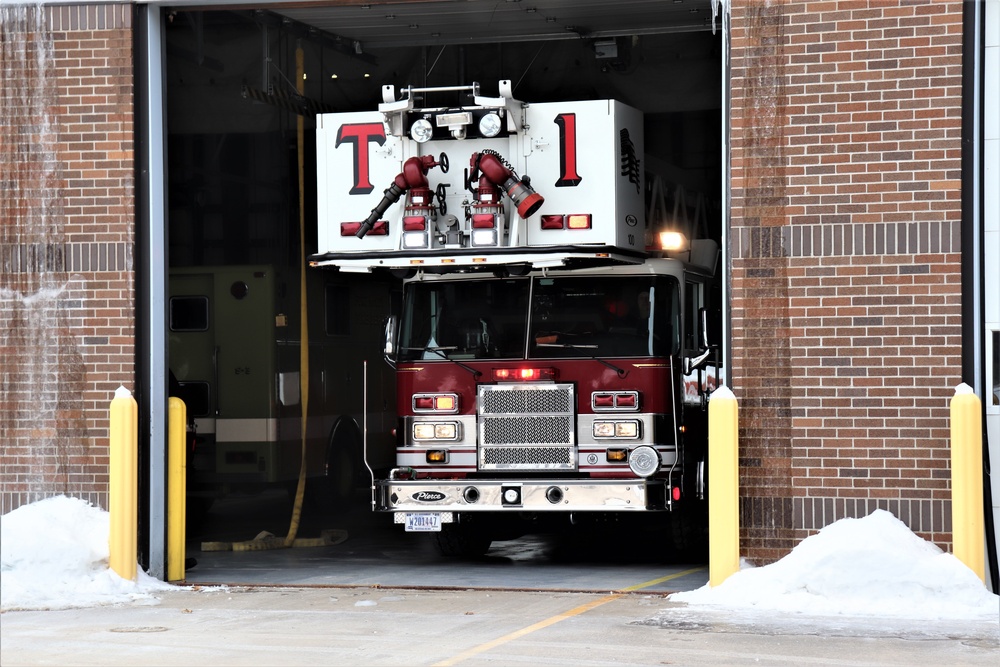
<point>552,359</point>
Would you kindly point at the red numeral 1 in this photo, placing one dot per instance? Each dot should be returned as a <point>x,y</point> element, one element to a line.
<point>568,176</point>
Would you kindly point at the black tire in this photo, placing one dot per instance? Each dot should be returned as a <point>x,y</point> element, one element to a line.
<point>339,486</point>
<point>458,540</point>
<point>688,533</point>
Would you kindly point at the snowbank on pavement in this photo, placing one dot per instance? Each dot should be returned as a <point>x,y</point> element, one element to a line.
<point>54,555</point>
<point>874,566</point>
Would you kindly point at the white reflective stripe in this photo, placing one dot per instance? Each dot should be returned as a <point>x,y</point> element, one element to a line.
<point>204,425</point>
<point>246,430</point>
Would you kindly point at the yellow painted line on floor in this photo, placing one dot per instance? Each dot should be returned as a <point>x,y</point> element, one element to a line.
<point>653,582</point>
<point>552,620</point>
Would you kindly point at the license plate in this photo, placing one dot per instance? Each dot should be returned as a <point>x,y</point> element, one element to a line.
<point>423,522</point>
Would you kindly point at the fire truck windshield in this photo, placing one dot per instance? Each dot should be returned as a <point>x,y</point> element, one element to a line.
<point>541,318</point>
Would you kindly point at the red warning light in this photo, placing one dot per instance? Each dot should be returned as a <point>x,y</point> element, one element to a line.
<point>524,374</point>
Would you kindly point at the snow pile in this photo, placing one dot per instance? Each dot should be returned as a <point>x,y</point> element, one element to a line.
<point>54,555</point>
<point>873,567</point>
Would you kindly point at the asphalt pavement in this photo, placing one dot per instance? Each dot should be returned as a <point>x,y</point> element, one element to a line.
<point>323,625</point>
<point>381,597</point>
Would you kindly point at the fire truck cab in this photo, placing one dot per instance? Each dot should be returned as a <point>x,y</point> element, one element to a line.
<point>552,360</point>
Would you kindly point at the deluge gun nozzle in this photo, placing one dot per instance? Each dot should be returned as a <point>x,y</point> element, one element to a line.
<point>520,191</point>
<point>414,175</point>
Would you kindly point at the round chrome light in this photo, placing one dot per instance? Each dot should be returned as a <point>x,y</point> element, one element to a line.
<point>644,461</point>
<point>421,131</point>
<point>490,125</point>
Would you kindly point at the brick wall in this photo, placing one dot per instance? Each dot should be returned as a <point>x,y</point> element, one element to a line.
<point>66,243</point>
<point>846,124</point>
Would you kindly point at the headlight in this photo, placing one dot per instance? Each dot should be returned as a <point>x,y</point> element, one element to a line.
<point>435,431</point>
<point>628,429</point>
<point>604,429</point>
<point>490,125</point>
<point>616,429</point>
<point>644,461</point>
<point>421,131</point>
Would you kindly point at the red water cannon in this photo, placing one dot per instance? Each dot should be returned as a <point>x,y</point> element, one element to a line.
<point>414,175</point>
<point>500,173</point>
<point>487,198</point>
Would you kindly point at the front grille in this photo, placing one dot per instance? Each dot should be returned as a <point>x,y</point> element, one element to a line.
<point>527,427</point>
<point>527,430</point>
<point>558,399</point>
<point>527,458</point>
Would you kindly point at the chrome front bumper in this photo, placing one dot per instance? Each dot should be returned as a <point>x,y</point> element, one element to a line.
<point>490,495</point>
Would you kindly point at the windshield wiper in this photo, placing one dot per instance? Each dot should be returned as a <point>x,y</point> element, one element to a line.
<point>620,371</point>
<point>440,351</point>
<point>580,346</point>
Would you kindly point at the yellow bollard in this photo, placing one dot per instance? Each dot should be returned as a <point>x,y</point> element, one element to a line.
<point>123,484</point>
<point>176,489</point>
<point>967,515</point>
<point>723,486</point>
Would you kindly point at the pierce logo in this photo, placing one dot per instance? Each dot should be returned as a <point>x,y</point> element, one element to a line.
<point>428,496</point>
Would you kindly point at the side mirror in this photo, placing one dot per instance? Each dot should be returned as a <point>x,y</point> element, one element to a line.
<point>703,328</point>
<point>389,346</point>
<point>692,364</point>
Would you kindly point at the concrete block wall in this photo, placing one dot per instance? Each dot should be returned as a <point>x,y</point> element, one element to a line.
<point>845,229</point>
<point>66,245</point>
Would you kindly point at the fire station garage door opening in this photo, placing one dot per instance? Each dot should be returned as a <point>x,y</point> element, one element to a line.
<point>244,88</point>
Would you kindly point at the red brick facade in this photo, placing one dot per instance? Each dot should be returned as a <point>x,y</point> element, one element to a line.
<point>846,128</point>
<point>844,250</point>
<point>66,280</point>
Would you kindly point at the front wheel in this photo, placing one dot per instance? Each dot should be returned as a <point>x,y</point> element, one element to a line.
<point>339,485</point>
<point>458,540</point>
<point>688,533</point>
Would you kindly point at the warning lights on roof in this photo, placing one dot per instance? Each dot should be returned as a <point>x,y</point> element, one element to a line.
<point>484,229</point>
<point>484,220</point>
<point>415,231</point>
<point>523,374</point>
<point>673,241</point>
<point>571,221</point>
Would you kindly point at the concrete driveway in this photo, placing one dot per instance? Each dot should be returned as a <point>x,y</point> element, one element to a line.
<point>375,626</point>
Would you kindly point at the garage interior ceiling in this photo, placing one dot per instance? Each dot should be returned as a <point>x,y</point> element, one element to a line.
<point>380,24</point>
<point>231,70</point>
